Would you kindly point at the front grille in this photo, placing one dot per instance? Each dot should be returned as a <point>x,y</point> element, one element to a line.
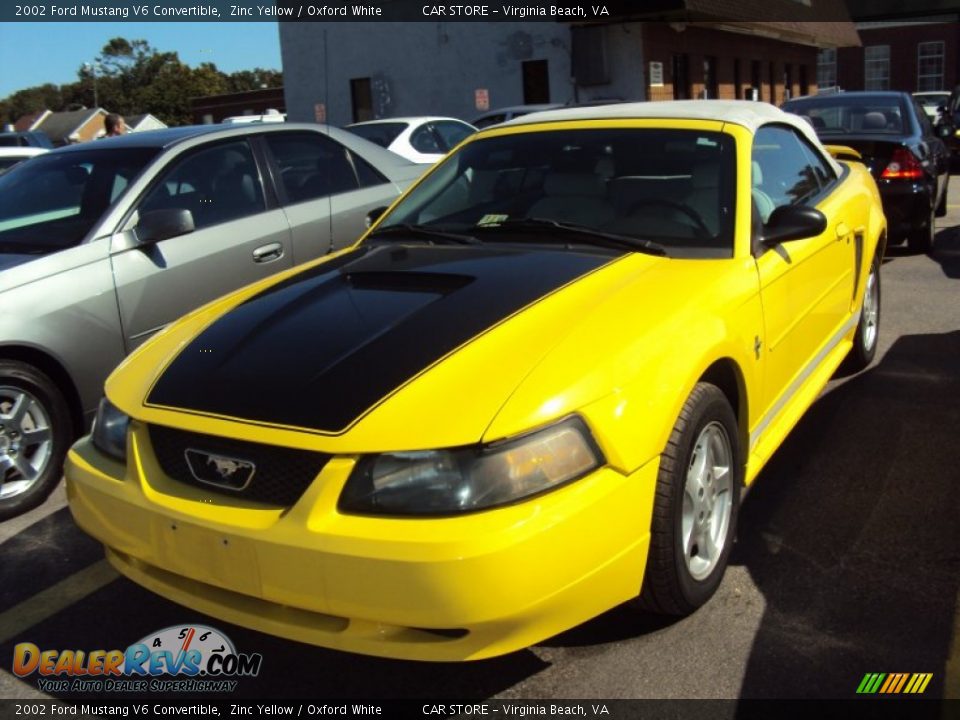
<point>280,475</point>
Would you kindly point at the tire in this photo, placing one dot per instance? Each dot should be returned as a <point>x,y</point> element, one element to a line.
<point>681,575</point>
<point>942,205</point>
<point>35,433</point>
<point>920,239</point>
<point>868,329</point>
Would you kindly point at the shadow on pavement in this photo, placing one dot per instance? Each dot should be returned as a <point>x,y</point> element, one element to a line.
<point>122,613</point>
<point>946,251</point>
<point>851,532</point>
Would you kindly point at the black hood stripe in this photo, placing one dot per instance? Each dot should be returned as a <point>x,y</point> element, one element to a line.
<point>321,349</point>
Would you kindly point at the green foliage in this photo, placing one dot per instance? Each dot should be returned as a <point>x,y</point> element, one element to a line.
<point>133,77</point>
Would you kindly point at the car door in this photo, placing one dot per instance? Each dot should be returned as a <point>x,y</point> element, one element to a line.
<point>806,285</point>
<point>238,238</point>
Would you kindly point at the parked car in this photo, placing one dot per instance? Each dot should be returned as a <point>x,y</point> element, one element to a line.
<point>900,146</point>
<point>933,103</point>
<point>10,156</point>
<point>531,393</point>
<point>418,139</point>
<point>495,117</point>
<point>105,243</point>
<point>26,138</point>
<point>270,116</point>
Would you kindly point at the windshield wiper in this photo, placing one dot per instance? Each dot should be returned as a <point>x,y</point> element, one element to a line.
<point>424,231</point>
<point>592,235</point>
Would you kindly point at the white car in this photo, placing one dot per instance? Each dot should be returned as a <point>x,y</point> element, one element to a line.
<point>419,139</point>
<point>10,156</point>
<point>931,102</point>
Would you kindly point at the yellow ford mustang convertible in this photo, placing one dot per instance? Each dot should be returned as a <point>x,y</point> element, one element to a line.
<point>533,391</point>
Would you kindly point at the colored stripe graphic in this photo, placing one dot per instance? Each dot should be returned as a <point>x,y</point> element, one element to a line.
<point>894,683</point>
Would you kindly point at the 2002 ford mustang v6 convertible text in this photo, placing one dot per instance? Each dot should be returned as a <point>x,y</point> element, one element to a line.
<point>532,392</point>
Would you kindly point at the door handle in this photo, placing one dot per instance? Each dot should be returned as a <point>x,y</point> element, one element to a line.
<point>268,253</point>
<point>842,230</point>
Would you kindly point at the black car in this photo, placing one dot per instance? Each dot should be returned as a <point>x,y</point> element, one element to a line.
<point>897,141</point>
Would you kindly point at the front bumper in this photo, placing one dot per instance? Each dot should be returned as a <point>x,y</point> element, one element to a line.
<point>430,589</point>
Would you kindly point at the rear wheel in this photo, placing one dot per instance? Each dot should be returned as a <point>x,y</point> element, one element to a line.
<point>868,330</point>
<point>35,432</point>
<point>921,239</point>
<point>695,509</point>
<point>942,205</point>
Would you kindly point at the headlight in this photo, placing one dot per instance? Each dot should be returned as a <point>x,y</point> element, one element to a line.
<point>110,431</point>
<point>444,482</point>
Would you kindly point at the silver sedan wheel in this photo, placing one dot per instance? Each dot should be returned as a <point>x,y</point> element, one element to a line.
<point>871,311</point>
<point>707,501</point>
<point>26,441</point>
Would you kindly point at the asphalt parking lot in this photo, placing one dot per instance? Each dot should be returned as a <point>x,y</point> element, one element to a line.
<point>847,559</point>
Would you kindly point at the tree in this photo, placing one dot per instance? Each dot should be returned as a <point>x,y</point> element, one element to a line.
<point>133,77</point>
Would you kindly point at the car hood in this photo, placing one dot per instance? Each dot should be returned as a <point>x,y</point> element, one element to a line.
<point>324,349</point>
<point>410,346</point>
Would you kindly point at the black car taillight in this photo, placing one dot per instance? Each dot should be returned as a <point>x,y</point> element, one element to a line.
<point>902,166</point>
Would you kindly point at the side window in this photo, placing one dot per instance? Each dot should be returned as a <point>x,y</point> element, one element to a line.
<point>366,173</point>
<point>824,171</point>
<point>452,133</point>
<point>424,141</point>
<point>489,120</point>
<point>216,184</point>
<point>781,170</point>
<point>311,165</point>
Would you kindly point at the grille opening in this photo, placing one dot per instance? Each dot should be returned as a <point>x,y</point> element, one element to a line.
<point>280,475</point>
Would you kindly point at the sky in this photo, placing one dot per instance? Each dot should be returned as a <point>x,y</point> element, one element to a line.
<point>37,53</point>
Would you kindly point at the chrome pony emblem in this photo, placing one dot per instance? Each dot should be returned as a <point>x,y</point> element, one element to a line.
<point>220,470</point>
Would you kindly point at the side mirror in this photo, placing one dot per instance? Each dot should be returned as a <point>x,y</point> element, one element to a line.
<point>375,214</point>
<point>157,225</point>
<point>793,222</point>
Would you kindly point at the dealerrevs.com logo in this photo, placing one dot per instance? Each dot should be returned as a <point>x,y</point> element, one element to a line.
<point>182,658</point>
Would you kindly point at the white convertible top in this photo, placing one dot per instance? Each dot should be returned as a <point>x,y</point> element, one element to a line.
<point>746,113</point>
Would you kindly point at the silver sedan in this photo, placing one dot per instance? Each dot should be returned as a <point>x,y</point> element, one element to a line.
<point>103,244</point>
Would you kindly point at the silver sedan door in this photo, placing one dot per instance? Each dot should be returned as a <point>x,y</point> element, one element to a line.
<point>237,239</point>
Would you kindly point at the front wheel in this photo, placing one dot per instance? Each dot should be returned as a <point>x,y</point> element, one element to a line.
<point>35,433</point>
<point>696,504</point>
<point>868,330</point>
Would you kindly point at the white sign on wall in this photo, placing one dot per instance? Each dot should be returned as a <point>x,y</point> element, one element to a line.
<point>656,74</point>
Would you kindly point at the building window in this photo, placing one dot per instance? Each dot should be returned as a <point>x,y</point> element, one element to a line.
<point>804,85</point>
<point>536,82</point>
<point>754,92</point>
<point>737,80</point>
<point>876,67</point>
<point>361,99</point>
<point>930,66</point>
<point>827,68</point>
<point>681,77</point>
<point>711,87</point>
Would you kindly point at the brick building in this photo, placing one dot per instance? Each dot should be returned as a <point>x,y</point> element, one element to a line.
<point>761,61</point>
<point>905,46</point>
<point>344,72</point>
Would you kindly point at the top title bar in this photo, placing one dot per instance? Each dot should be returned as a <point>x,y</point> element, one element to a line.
<point>404,11</point>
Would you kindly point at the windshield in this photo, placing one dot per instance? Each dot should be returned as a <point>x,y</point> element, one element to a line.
<point>53,201</point>
<point>673,187</point>
<point>844,114</point>
<point>380,133</point>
